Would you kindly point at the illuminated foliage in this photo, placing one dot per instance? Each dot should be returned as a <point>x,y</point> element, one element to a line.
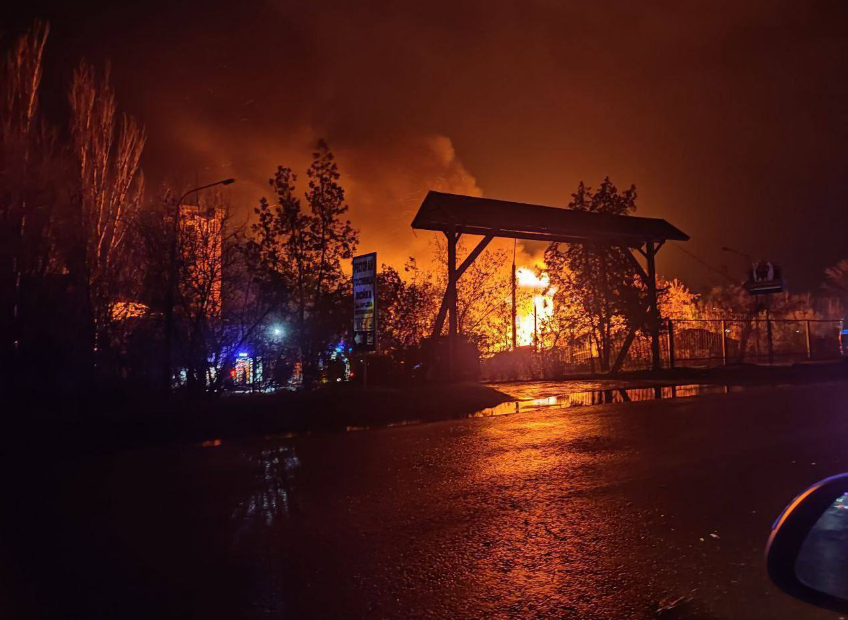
<point>405,308</point>
<point>836,281</point>
<point>598,278</point>
<point>675,300</point>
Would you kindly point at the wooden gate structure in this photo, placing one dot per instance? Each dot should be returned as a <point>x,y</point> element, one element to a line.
<point>455,215</point>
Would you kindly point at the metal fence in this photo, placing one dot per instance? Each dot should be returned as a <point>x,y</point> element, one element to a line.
<point>686,343</point>
<point>709,342</point>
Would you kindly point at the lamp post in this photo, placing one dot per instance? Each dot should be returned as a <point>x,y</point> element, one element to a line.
<point>170,292</point>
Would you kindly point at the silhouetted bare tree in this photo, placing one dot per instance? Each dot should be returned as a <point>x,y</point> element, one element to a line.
<point>36,228</point>
<point>107,149</point>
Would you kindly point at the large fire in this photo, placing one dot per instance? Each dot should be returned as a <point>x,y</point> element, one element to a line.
<point>533,310</point>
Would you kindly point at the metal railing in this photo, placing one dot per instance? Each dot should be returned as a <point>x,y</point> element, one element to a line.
<point>683,343</point>
<point>705,342</point>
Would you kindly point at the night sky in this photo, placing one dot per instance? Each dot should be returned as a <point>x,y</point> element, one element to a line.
<point>730,117</point>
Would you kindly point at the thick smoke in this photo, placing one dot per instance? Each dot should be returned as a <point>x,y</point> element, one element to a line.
<point>726,115</point>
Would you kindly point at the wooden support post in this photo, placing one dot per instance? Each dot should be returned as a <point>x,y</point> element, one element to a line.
<point>653,311</point>
<point>649,278</point>
<point>723,343</point>
<point>809,342</point>
<point>450,296</point>
<point>443,309</point>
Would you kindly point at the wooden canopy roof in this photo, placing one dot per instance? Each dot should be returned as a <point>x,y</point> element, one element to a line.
<point>517,220</point>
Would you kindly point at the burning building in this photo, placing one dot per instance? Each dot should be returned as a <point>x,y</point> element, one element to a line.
<point>200,243</point>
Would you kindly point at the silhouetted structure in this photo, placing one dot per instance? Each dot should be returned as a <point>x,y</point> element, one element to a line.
<point>455,215</point>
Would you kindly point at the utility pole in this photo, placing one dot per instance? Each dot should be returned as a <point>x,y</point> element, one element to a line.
<point>535,325</point>
<point>171,290</point>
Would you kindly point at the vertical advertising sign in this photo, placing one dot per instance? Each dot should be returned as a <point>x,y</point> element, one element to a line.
<point>365,302</point>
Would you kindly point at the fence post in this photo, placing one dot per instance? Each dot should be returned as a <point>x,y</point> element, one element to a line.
<point>768,330</point>
<point>723,342</point>
<point>670,343</point>
<point>809,343</point>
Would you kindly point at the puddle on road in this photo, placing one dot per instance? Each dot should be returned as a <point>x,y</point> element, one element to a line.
<point>389,425</point>
<point>584,398</point>
<point>589,398</point>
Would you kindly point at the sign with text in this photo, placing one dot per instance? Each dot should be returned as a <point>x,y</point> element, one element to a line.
<point>365,302</point>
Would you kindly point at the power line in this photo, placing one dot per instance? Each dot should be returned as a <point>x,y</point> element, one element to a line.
<point>704,263</point>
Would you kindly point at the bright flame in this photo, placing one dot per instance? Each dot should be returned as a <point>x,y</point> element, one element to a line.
<point>123,310</point>
<point>527,278</point>
<point>531,315</point>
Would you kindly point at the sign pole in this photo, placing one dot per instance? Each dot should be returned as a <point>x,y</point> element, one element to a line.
<point>768,330</point>
<point>766,278</point>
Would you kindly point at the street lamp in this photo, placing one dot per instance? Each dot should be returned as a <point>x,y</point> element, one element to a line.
<point>202,187</point>
<point>172,280</point>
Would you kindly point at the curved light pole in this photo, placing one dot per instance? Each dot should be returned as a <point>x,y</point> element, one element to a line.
<point>170,293</point>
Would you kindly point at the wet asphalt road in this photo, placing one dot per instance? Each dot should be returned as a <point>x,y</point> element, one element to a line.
<point>655,509</point>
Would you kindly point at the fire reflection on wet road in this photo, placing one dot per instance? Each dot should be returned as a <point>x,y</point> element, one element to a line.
<point>654,509</point>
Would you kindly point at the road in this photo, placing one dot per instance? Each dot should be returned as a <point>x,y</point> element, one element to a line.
<point>656,509</point>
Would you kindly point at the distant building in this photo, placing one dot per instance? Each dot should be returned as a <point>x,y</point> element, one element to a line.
<point>201,243</point>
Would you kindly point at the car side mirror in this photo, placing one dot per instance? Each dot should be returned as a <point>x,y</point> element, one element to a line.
<point>807,552</point>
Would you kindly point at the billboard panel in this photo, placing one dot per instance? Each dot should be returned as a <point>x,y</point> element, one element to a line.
<point>365,302</point>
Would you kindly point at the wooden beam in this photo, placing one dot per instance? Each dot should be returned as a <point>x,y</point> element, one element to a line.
<point>443,308</point>
<point>628,340</point>
<point>478,249</point>
<point>440,317</point>
<point>622,353</point>
<point>648,243</point>
<point>541,235</point>
<point>639,270</point>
